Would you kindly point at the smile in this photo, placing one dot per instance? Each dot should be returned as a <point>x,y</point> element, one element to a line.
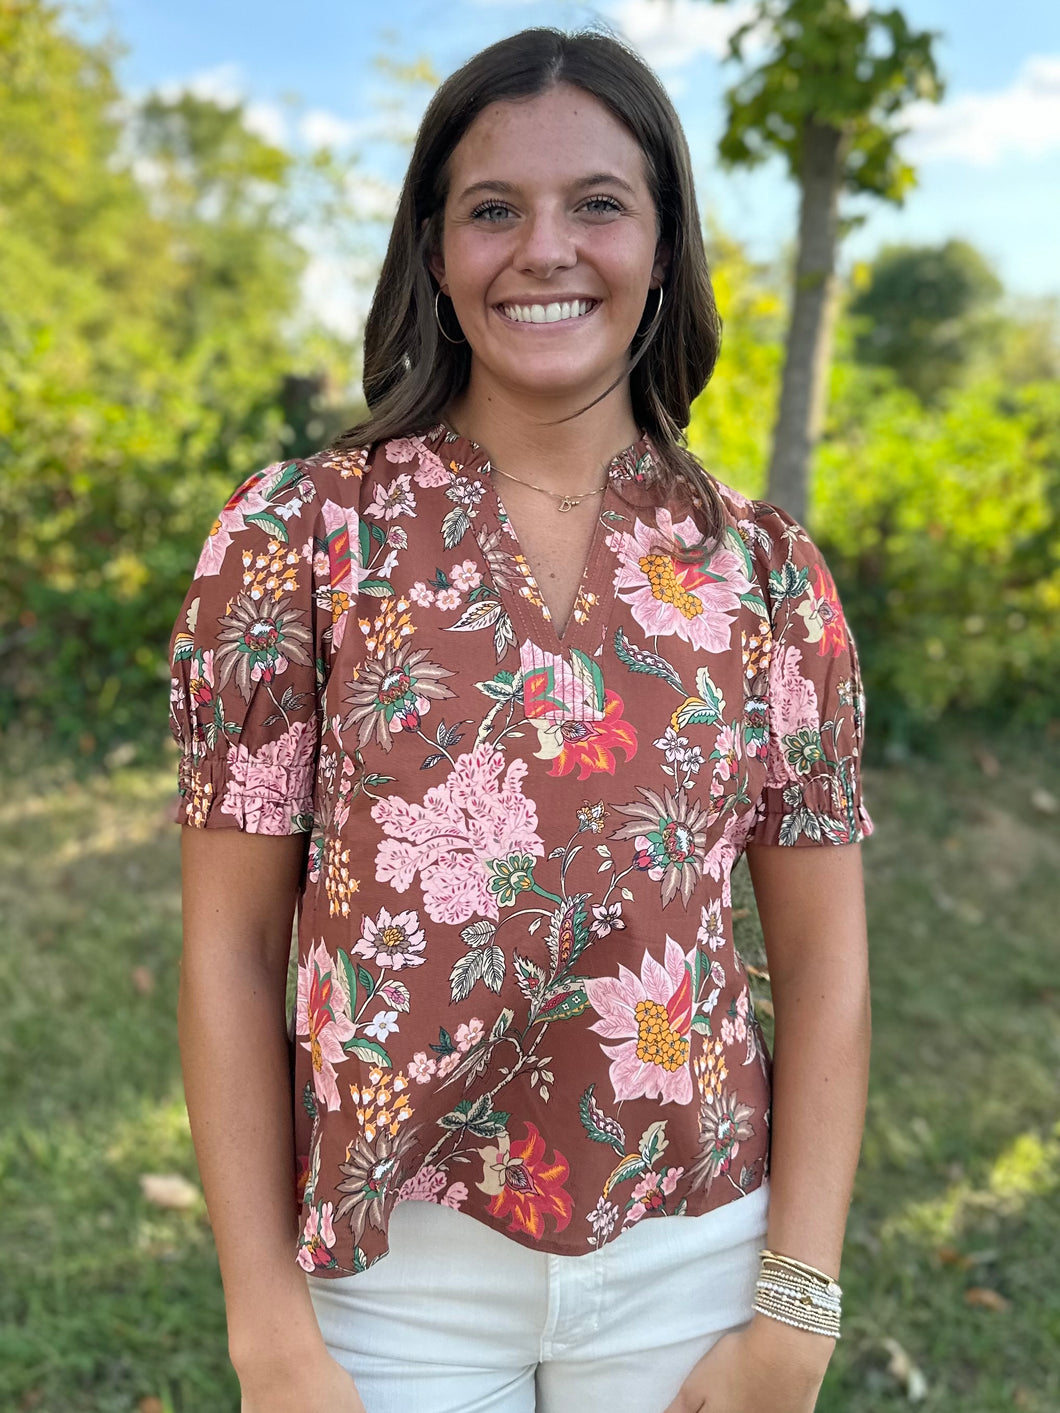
<point>547,313</point>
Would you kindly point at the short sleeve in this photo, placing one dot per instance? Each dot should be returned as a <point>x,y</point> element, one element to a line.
<point>816,706</point>
<point>247,659</point>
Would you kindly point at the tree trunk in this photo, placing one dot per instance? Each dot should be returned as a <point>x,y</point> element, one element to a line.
<point>809,344</point>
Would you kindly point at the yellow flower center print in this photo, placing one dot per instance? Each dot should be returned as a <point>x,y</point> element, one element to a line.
<point>664,586</point>
<point>657,1043</point>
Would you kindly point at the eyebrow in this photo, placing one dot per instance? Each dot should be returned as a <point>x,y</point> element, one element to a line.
<point>510,188</point>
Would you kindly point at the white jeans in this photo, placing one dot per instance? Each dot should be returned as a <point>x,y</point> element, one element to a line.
<point>459,1318</point>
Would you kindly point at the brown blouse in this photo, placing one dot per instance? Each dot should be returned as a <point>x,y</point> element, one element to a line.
<point>518,992</point>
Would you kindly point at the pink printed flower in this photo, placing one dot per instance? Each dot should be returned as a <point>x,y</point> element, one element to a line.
<point>466,576</point>
<point>454,1196</point>
<point>478,813</point>
<point>448,598</point>
<point>698,602</point>
<point>249,498</point>
<point>651,1193</point>
<point>392,941</point>
<point>318,1237</point>
<point>419,593</point>
<point>726,753</point>
<point>423,1186</point>
<point>825,624</point>
<point>390,501</point>
<point>794,708</point>
<point>429,469</point>
<point>652,1017</point>
<point>421,1067</point>
<point>469,1034</point>
<point>323,1011</point>
<point>266,790</point>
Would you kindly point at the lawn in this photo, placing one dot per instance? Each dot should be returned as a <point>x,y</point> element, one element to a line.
<point>112,1304</point>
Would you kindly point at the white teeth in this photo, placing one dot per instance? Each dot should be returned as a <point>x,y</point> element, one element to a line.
<point>546,313</point>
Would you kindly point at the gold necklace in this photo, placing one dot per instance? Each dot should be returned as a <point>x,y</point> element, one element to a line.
<point>566,502</point>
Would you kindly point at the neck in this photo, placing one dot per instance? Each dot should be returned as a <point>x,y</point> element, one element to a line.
<point>527,439</point>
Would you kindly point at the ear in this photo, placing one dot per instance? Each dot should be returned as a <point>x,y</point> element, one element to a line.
<point>436,265</point>
<point>661,269</point>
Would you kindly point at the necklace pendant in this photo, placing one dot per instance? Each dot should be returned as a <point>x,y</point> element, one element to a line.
<point>568,503</point>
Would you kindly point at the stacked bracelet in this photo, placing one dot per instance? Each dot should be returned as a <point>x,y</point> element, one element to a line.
<point>798,1295</point>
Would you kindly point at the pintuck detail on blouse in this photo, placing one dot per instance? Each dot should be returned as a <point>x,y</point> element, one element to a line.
<point>518,992</point>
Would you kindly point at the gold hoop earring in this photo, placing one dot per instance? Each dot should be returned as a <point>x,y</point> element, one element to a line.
<point>655,317</point>
<point>438,319</point>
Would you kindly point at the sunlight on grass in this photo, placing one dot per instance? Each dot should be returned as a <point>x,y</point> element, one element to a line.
<point>1027,1168</point>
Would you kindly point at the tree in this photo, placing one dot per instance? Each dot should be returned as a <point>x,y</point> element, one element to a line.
<point>928,313</point>
<point>155,293</point>
<point>827,97</point>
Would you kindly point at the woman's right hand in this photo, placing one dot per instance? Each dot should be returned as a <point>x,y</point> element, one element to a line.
<point>317,1385</point>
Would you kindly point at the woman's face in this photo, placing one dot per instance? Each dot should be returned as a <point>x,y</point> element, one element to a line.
<point>549,244</point>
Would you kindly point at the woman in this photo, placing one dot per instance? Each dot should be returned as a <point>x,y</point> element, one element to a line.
<point>497,691</point>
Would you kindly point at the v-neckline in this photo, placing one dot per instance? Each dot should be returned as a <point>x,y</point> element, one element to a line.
<point>585,632</point>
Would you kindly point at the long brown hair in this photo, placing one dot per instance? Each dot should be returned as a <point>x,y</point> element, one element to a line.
<point>411,374</point>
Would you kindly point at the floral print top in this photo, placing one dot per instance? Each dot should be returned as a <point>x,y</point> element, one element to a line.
<point>518,992</point>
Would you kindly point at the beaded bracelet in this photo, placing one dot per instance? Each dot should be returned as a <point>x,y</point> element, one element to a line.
<point>798,1295</point>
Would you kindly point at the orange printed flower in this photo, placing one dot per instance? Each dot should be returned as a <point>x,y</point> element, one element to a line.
<point>823,614</point>
<point>588,745</point>
<point>522,1186</point>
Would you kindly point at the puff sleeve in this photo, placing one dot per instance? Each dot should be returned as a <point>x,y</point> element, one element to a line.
<point>815,703</point>
<point>248,663</point>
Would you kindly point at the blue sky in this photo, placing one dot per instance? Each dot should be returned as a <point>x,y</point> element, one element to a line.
<point>988,158</point>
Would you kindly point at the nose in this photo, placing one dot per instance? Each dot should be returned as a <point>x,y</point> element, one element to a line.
<point>547,244</point>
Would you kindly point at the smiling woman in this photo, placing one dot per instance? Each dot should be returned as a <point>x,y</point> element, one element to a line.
<point>531,682</point>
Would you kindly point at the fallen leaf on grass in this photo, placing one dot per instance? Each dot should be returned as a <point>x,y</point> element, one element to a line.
<point>1044,801</point>
<point>985,1298</point>
<point>988,763</point>
<point>143,980</point>
<point>950,1256</point>
<point>169,1190</point>
<point>904,1372</point>
<point>150,1405</point>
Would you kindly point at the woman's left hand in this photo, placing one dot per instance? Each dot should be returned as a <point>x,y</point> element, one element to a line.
<point>765,1365</point>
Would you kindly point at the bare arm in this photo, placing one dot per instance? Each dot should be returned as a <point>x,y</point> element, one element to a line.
<point>239,896</point>
<point>811,902</point>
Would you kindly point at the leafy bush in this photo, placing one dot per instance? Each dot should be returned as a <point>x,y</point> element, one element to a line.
<point>943,531</point>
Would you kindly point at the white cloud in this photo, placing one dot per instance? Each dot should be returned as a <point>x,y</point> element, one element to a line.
<point>982,129</point>
<point>222,85</point>
<point>671,34</point>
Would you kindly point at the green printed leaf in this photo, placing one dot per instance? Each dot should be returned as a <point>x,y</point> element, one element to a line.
<point>639,659</point>
<point>368,1050</point>
<point>349,973</point>
<point>598,1125</point>
<point>377,588</point>
<point>631,1166</point>
<point>272,523</point>
<point>589,675</point>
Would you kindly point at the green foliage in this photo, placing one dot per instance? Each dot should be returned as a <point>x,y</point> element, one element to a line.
<point>942,527</point>
<point>141,366</point>
<point>730,427</point>
<point>929,314</point>
<point>941,524</point>
<point>832,66</point>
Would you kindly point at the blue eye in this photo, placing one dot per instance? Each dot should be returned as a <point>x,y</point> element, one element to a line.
<point>488,207</point>
<point>608,203</point>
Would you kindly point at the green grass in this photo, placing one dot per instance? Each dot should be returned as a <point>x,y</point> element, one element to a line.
<point>106,1301</point>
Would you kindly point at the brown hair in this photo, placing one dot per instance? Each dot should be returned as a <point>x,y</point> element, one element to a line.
<point>411,373</point>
